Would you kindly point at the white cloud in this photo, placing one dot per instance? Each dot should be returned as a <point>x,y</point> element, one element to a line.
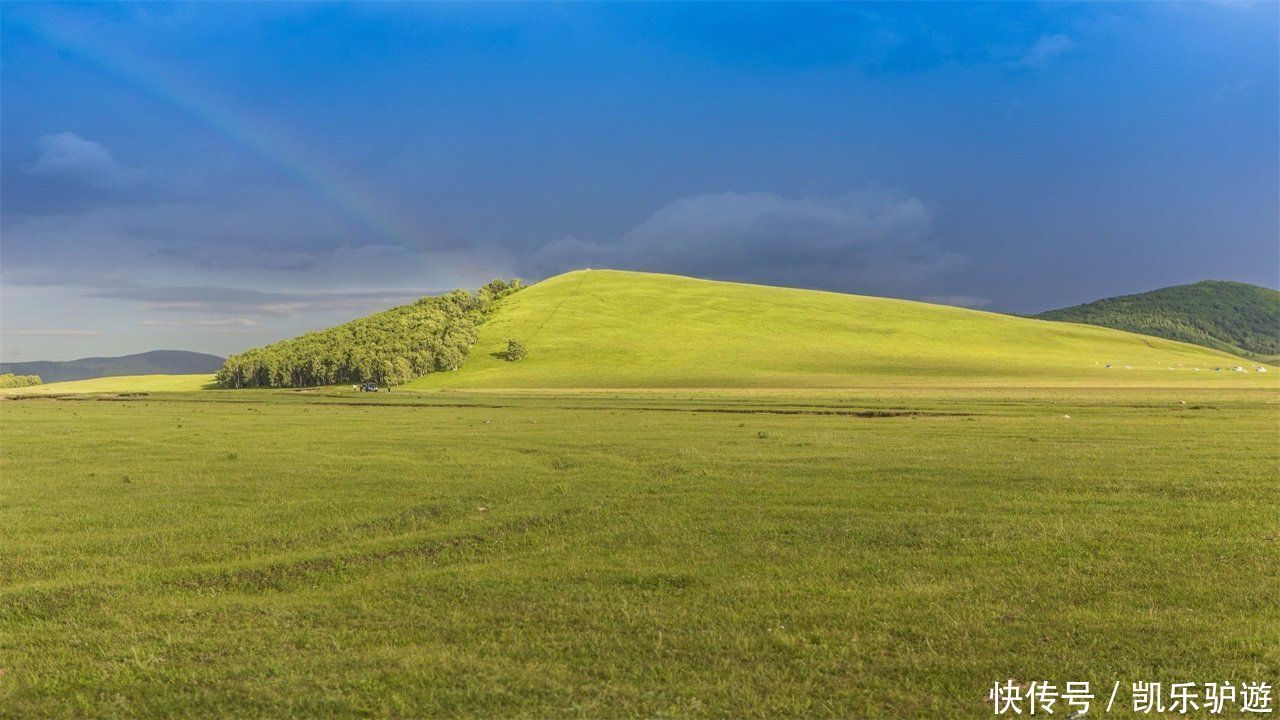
<point>53,333</point>
<point>213,300</point>
<point>965,301</point>
<point>203,323</point>
<point>1043,50</point>
<point>67,155</point>
<point>868,241</point>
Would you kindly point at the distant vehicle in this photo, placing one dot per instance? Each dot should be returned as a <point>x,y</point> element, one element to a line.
<point>369,387</point>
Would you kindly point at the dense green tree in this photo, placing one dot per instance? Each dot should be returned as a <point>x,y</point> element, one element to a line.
<point>392,347</point>
<point>9,380</point>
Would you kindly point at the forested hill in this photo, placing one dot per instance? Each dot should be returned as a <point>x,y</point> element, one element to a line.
<point>1235,317</point>
<point>167,362</point>
<point>390,347</point>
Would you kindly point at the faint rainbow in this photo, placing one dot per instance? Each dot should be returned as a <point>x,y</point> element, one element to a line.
<point>280,151</point>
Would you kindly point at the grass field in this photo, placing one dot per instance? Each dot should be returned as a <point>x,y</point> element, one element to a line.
<point>611,329</point>
<point>119,384</point>
<point>678,553</point>
<point>690,499</point>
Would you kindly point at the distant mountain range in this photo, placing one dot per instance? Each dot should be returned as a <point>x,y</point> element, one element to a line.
<point>1234,317</point>
<point>156,362</point>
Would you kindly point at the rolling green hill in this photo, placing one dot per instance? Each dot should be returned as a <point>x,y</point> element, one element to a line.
<point>611,329</point>
<point>614,329</point>
<point>1234,317</point>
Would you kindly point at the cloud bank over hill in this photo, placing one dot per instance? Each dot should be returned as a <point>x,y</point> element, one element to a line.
<point>872,240</point>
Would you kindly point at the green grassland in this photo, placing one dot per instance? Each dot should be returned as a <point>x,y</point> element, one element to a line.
<point>836,553</point>
<point>690,499</point>
<point>120,384</point>
<point>601,328</point>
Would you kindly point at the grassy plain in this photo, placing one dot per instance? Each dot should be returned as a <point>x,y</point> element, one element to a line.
<point>884,552</point>
<point>120,384</point>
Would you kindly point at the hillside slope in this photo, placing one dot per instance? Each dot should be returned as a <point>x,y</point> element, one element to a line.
<point>156,362</point>
<point>603,328</point>
<point>1235,317</point>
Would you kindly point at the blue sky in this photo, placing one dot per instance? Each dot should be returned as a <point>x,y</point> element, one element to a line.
<point>212,177</point>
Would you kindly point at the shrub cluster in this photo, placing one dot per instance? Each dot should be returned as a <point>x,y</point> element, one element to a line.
<point>389,348</point>
<point>515,350</point>
<point>9,380</point>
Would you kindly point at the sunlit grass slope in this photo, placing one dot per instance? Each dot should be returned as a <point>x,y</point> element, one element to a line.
<point>123,383</point>
<point>604,328</point>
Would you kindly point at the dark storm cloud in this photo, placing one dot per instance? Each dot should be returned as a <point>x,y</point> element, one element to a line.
<point>869,241</point>
<point>1047,154</point>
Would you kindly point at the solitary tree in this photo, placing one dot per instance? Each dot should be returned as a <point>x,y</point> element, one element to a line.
<point>515,350</point>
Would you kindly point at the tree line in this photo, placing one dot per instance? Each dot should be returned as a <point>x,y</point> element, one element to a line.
<point>9,380</point>
<point>1250,341</point>
<point>391,347</point>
